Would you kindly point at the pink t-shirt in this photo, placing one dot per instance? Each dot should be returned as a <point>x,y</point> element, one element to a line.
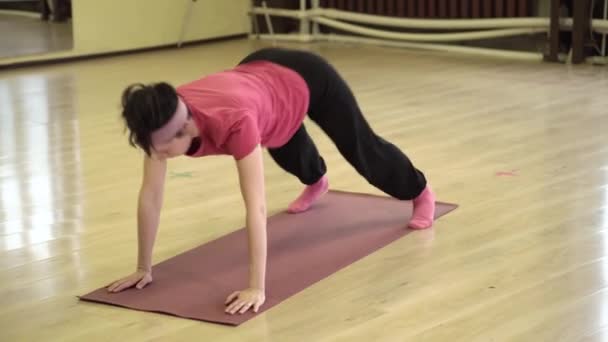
<point>254,103</point>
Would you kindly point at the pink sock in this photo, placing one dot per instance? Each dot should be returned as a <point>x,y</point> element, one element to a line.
<point>424,210</point>
<point>309,196</point>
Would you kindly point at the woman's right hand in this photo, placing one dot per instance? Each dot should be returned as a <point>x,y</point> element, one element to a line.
<point>139,279</point>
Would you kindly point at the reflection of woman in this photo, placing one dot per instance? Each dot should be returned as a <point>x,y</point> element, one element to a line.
<point>62,9</point>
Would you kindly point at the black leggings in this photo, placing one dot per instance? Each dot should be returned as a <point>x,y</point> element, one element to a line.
<point>333,107</point>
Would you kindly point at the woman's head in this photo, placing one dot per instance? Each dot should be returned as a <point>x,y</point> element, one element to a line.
<point>157,119</point>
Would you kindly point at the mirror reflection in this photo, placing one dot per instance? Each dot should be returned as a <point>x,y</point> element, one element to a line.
<point>32,27</point>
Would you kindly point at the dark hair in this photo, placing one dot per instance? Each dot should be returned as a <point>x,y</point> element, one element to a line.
<point>146,108</point>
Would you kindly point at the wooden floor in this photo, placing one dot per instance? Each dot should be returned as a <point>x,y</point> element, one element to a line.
<point>520,146</point>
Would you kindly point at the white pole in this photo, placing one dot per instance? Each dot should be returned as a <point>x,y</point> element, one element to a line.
<point>185,23</point>
<point>268,21</point>
<point>287,37</point>
<point>428,37</point>
<point>269,24</point>
<point>600,25</point>
<point>304,23</point>
<point>445,24</point>
<point>315,25</point>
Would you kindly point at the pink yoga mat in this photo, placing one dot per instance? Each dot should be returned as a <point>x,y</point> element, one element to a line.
<point>302,250</point>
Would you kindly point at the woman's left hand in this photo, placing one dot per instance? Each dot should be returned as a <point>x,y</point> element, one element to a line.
<point>241,301</point>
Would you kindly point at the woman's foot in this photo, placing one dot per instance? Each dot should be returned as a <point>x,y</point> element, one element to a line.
<point>309,196</point>
<point>424,210</point>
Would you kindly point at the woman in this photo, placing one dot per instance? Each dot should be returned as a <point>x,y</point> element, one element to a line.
<point>262,102</point>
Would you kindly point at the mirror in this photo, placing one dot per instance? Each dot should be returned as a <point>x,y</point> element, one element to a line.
<point>34,27</point>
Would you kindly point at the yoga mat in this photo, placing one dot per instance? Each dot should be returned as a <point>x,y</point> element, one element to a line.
<point>303,249</point>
